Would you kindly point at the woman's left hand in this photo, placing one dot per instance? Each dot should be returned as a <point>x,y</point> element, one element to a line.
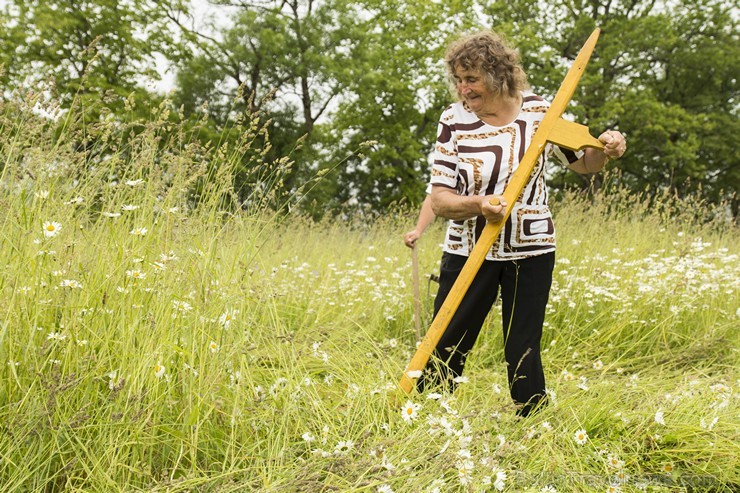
<point>615,145</point>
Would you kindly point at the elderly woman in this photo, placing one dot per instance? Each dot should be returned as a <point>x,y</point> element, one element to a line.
<point>481,139</point>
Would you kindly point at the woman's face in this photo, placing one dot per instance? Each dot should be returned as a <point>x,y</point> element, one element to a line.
<point>472,88</point>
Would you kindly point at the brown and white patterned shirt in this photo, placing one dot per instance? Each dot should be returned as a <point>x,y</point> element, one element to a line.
<point>475,158</point>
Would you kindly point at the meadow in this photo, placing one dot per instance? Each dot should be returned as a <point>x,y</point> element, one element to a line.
<point>156,340</point>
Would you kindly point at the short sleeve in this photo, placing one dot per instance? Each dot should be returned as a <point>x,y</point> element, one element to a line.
<point>444,167</point>
<point>562,155</point>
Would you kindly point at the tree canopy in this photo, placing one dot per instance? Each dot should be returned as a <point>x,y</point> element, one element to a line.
<point>353,89</point>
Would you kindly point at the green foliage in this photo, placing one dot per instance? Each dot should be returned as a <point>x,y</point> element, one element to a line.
<point>153,337</point>
<point>91,50</point>
<point>331,77</point>
<point>666,77</point>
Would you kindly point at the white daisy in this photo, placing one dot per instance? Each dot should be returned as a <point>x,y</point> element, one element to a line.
<point>159,370</point>
<point>135,274</point>
<point>139,231</point>
<point>580,436</point>
<point>51,228</point>
<point>410,411</point>
<point>659,417</point>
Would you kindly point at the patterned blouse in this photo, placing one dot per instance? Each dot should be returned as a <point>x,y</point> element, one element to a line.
<point>475,158</point>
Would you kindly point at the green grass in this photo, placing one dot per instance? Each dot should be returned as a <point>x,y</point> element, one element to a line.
<point>279,341</point>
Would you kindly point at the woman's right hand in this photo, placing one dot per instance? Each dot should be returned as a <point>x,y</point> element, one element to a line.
<point>493,208</point>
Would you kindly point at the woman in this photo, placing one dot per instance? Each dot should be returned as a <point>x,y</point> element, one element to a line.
<point>481,139</point>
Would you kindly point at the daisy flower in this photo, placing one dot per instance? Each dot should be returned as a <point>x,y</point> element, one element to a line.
<point>139,231</point>
<point>159,370</point>
<point>659,417</point>
<point>500,480</point>
<point>308,437</point>
<point>465,471</point>
<point>384,488</point>
<point>548,489</point>
<point>225,319</point>
<point>129,207</point>
<point>51,228</point>
<point>213,346</point>
<point>133,183</point>
<point>580,437</point>
<point>343,447</point>
<point>410,411</point>
<point>135,274</point>
<point>614,462</point>
<point>70,283</point>
<point>667,468</point>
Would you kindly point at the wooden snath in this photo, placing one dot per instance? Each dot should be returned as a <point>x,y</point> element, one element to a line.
<point>553,128</point>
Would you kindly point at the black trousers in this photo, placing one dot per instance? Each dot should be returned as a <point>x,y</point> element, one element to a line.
<point>525,288</point>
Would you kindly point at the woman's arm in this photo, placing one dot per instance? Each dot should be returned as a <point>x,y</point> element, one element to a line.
<point>448,204</point>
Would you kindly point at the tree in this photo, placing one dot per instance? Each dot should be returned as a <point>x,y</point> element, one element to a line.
<point>667,77</point>
<point>89,49</point>
<point>341,73</point>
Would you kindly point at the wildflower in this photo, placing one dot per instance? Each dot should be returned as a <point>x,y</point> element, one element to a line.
<point>461,379</point>
<point>112,214</point>
<point>159,370</point>
<point>308,437</point>
<point>413,373</point>
<point>384,488</point>
<point>55,336</point>
<point>580,436</point>
<point>225,319</point>
<point>133,183</point>
<point>113,378</point>
<point>659,417</point>
<point>614,462</point>
<point>75,201</point>
<point>465,471</point>
<point>139,231</point>
<point>182,306</point>
<point>410,411</point>
<point>547,426</point>
<point>213,346</point>
<point>598,365</point>
<point>343,447</point>
<point>51,228</point>
<point>500,480</point>
<point>167,257</point>
<point>548,489</point>
<point>42,194</point>
<point>135,274</point>
<point>667,468</point>
<point>613,488</point>
<point>129,207</point>
<point>70,283</point>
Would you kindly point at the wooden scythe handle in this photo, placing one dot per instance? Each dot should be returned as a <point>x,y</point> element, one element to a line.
<point>568,134</point>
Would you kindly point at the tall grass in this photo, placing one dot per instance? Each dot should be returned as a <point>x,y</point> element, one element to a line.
<point>160,336</point>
